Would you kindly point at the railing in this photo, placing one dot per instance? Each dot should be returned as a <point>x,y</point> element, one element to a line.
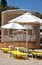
<point>20,37</point>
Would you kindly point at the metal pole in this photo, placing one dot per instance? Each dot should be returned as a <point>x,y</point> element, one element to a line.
<point>27,37</point>
<point>13,37</point>
<point>13,41</point>
<point>8,36</point>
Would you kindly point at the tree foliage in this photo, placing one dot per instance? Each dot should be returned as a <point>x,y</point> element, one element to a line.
<point>3,3</point>
<point>41,16</point>
<point>4,6</point>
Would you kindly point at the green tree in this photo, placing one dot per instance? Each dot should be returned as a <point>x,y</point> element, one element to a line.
<point>3,3</point>
<point>41,16</point>
<point>4,6</point>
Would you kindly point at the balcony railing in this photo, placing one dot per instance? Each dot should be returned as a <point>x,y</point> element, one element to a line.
<point>20,37</point>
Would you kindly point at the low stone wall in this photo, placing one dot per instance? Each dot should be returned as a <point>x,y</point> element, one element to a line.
<point>19,44</point>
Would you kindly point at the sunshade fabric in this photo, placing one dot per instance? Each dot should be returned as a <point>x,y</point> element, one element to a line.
<point>26,18</point>
<point>12,26</point>
<point>41,27</point>
<point>40,33</point>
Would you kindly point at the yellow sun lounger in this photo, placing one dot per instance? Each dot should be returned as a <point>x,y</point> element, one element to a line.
<point>6,49</point>
<point>37,53</point>
<point>17,53</point>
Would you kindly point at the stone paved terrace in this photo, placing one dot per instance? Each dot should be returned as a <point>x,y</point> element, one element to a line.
<point>5,59</point>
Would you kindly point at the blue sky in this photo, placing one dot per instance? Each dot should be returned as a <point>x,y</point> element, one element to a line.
<point>35,5</point>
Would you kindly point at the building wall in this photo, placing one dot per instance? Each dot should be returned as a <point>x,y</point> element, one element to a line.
<point>11,14</point>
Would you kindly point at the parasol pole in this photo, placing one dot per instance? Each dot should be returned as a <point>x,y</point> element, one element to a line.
<point>27,37</point>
